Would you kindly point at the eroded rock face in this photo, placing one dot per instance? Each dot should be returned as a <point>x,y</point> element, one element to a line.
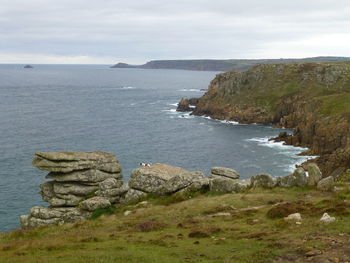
<point>81,183</point>
<point>66,162</point>
<point>262,180</point>
<point>182,180</point>
<point>315,174</point>
<point>226,185</point>
<point>45,216</point>
<point>85,176</point>
<point>95,203</point>
<point>225,172</point>
<point>187,104</point>
<point>155,179</point>
<point>297,178</point>
<point>132,195</point>
<point>326,184</point>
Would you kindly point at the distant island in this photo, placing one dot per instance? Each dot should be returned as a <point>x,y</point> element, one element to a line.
<point>28,66</point>
<point>222,65</point>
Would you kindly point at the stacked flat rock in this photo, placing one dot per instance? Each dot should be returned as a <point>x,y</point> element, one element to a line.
<point>81,183</point>
<point>226,180</point>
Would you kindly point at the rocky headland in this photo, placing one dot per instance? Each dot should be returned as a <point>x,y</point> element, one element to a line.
<point>311,98</point>
<point>221,64</point>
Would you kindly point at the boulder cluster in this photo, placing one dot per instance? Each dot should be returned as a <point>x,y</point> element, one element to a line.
<point>83,182</point>
<point>310,176</point>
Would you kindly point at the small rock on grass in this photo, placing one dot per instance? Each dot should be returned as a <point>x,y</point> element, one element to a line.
<point>294,217</point>
<point>326,218</point>
<point>128,212</point>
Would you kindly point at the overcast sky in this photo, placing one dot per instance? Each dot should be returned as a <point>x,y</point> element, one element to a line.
<point>135,31</point>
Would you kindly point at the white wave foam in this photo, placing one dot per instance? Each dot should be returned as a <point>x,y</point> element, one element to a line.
<point>230,122</point>
<point>191,90</point>
<point>128,87</point>
<point>288,150</point>
<point>171,111</point>
<point>186,116</point>
<point>173,104</point>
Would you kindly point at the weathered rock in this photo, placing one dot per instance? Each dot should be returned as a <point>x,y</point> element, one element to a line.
<point>112,190</point>
<point>184,105</point>
<point>110,183</point>
<point>127,212</point>
<point>262,180</point>
<point>91,175</point>
<point>73,189</point>
<point>226,172</point>
<point>326,184</point>
<point>315,174</point>
<point>326,218</point>
<point>44,216</point>
<point>298,178</point>
<point>181,181</point>
<point>293,217</point>
<point>202,184</point>
<point>152,179</point>
<point>46,191</point>
<point>64,201</point>
<point>66,162</point>
<point>132,195</point>
<point>226,185</point>
<point>64,194</point>
<point>95,203</point>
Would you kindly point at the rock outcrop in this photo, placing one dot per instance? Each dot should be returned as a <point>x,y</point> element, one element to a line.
<point>227,185</point>
<point>82,182</point>
<point>314,174</point>
<point>164,179</point>
<point>262,180</point>
<point>297,178</point>
<point>326,184</point>
<point>187,104</point>
<point>225,172</point>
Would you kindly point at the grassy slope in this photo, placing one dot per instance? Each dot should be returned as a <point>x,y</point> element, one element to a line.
<point>161,231</point>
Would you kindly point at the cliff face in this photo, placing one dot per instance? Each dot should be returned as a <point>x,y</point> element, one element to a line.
<point>312,98</point>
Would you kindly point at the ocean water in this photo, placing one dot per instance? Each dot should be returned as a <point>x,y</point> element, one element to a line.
<point>130,112</point>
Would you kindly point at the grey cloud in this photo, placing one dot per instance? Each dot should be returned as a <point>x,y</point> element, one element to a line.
<point>151,29</point>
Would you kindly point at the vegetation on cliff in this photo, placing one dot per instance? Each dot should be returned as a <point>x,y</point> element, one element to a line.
<point>198,227</point>
<point>221,65</point>
<point>313,98</point>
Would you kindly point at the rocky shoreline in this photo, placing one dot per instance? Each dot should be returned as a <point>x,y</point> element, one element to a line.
<point>85,182</point>
<point>310,98</point>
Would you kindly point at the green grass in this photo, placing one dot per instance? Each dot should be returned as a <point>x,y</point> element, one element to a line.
<point>335,105</point>
<point>183,230</point>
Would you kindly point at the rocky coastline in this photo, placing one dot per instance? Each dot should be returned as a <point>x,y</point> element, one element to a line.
<point>310,98</point>
<point>85,182</point>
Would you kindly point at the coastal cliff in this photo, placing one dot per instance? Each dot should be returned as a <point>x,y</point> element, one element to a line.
<point>311,98</point>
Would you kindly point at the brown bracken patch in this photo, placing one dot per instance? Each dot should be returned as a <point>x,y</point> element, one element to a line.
<point>285,209</point>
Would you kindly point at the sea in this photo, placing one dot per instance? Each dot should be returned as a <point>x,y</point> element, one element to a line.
<point>129,112</point>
